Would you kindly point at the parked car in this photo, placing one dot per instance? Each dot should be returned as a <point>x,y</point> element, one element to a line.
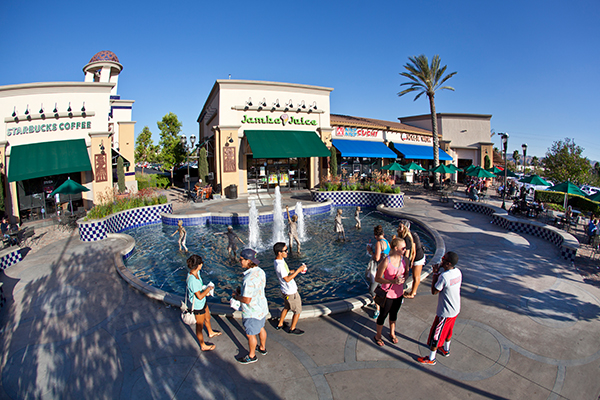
<point>589,190</point>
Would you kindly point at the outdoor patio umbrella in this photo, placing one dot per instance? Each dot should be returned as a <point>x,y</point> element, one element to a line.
<point>394,167</point>
<point>496,170</point>
<point>479,172</point>
<point>469,168</point>
<point>70,187</point>
<point>535,180</point>
<point>443,169</point>
<point>567,188</point>
<point>413,166</point>
<point>454,167</point>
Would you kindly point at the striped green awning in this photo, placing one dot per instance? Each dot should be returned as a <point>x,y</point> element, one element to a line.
<point>30,161</point>
<point>286,144</point>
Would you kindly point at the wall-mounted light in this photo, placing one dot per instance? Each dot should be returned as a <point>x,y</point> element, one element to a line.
<point>314,105</point>
<point>69,109</point>
<point>290,105</point>
<point>249,102</point>
<point>263,102</point>
<point>42,108</point>
<point>55,109</point>
<point>230,138</point>
<point>102,147</point>
<point>27,110</point>
<point>83,108</point>
<point>276,104</point>
<point>14,114</point>
<point>302,104</point>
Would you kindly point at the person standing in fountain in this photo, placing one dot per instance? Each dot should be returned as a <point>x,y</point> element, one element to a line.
<point>231,237</point>
<point>338,225</point>
<point>293,230</point>
<point>381,250</point>
<point>254,305</point>
<point>291,298</point>
<point>356,217</point>
<point>197,296</point>
<point>391,274</point>
<point>447,284</point>
<point>182,235</point>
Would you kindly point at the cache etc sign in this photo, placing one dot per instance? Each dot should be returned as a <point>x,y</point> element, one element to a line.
<point>282,120</point>
<point>62,126</point>
<point>345,131</point>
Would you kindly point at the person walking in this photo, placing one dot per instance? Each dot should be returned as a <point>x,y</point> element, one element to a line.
<point>447,285</point>
<point>254,305</point>
<point>391,274</point>
<point>197,293</point>
<point>291,298</point>
<point>382,249</point>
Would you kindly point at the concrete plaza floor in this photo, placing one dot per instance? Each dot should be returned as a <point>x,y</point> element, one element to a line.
<point>73,329</point>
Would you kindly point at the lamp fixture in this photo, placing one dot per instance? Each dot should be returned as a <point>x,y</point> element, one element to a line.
<point>314,105</point>
<point>14,114</point>
<point>276,104</point>
<point>69,109</point>
<point>290,105</point>
<point>83,108</point>
<point>249,102</point>
<point>55,109</point>
<point>302,104</point>
<point>230,139</point>
<point>102,147</point>
<point>42,109</point>
<point>263,103</point>
<point>27,110</point>
<point>183,141</point>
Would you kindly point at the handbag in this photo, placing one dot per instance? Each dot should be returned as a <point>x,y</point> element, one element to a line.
<point>187,315</point>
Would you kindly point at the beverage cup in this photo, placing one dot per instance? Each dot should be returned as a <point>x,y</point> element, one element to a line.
<point>304,271</point>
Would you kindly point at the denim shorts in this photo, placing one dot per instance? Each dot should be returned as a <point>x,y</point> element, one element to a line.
<point>253,325</point>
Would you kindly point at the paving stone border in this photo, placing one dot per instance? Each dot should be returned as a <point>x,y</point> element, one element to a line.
<point>567,243</point>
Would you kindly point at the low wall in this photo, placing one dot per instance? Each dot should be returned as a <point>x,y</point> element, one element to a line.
<point>359,198</point>
<point>10,257</point>
<point>98,229</point>
<point>567,243</point>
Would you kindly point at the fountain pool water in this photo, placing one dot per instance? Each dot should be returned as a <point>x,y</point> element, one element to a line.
<point>335,269</point>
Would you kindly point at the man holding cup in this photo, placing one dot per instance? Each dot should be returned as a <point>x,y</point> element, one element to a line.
<point>289,289</point>
<point>447,284</point>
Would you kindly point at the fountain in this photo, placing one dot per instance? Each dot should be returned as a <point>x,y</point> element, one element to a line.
<point>301,226</point>
<point>278,225</point>
<point>253,227</point>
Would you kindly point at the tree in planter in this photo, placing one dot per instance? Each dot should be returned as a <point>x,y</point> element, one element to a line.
<point>487,163</point>
<point>333,162</point>
<point>172,152</point>
<point>203,166</point>
<point>121,175</point>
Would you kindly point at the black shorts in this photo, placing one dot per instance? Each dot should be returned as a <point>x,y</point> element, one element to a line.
<point>202,310</point>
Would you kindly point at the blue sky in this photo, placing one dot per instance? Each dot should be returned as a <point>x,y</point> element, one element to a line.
<point>530,64</point>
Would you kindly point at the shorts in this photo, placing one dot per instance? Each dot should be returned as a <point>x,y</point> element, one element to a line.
<point>232,247</point>
<point>202,310</point>
<point>292,302</point>
<point>441,330</point>
<point>253,326</point>
<point>420,262</point>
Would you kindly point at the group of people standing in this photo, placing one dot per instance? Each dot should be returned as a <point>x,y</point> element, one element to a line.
<point>389,269</point>
<point>251,296</point>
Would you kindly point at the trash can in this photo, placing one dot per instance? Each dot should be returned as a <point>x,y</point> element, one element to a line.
<point>232,189</point>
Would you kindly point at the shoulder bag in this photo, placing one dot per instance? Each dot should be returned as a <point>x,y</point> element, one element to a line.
<point>381,293</point>
<point>187,315</point>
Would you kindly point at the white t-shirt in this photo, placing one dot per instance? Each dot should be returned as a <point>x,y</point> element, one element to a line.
<point>448,284</point>
<point>282,270</point>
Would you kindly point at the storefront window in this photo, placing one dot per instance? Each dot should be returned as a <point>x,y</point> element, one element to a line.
<point>35,201</point>
<point>266,174</point>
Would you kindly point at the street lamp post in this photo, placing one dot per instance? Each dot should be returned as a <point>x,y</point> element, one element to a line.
<point>524,147</point>
<point>505,145</point>
<point>183,141</point>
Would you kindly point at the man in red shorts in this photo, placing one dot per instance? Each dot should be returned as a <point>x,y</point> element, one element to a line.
<point>448,285</point>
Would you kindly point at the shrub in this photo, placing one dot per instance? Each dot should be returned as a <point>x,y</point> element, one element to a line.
<point>557,199</point>
<point>108,206</point>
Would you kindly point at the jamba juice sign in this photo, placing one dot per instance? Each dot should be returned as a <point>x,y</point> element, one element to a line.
<point>282,120</point>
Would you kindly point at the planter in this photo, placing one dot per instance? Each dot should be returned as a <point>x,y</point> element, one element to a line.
<point>90,231</point>
<point>359,198</point>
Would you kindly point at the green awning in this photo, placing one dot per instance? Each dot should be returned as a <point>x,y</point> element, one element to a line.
<point>286,144</point>
<point>30,161</point>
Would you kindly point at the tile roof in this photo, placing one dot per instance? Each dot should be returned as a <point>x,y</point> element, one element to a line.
<point>347,120</point>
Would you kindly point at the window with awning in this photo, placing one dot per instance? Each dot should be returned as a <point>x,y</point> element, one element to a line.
<point>36,160</point>
<point>363,148</point>
<point>286,144</point>
<point>417,152</point>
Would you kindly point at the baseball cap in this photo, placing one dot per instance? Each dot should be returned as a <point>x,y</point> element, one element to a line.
<point>250,254</point>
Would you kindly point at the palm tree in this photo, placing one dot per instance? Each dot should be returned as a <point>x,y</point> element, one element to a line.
<point>428,79</point>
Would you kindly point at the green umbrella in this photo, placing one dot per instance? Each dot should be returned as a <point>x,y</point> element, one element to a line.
<point>594,197</point>
<point>454,167</point>
<point>567,188</point>
<point>469,168</point>
<point>394,167</point>
<point>413,166</point>
<point>495,170</point>
<point>70,187</point>
<point>443,169</point>
<point>535,180</point>
<point>479,172</point>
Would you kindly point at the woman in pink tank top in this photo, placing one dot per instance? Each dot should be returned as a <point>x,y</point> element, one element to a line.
<point>391,274</point>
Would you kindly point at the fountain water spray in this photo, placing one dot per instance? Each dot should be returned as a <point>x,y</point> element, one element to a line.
<point>278,225</point>
<point>301,225</point>
<point>253,227</point>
